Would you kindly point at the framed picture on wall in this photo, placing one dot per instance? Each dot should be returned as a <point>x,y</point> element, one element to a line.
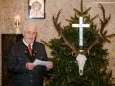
<point>36,9</point>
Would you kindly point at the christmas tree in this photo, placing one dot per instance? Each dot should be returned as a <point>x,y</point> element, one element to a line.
<point>66,48</point>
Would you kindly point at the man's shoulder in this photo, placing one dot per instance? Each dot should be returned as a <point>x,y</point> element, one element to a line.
<point>38,44</point>
<point>16,44</point>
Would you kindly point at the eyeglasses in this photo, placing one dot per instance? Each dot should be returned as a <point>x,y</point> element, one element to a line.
<point>29,33</point>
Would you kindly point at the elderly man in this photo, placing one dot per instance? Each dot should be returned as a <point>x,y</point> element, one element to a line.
<point>23,54</point>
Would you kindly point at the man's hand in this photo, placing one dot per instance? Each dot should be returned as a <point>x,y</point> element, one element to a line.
<point>29,66</point>
<point>49,65</point>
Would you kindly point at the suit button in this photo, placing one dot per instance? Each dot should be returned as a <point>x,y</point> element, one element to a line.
<point>31,81</point>
<point>31,75</point>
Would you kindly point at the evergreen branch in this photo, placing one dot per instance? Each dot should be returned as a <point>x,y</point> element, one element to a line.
<point>69,20</point>
<point>44,42</point>
<point>94,17</point>
<point>75,15</point>
<point>106,40</point>
<point>81,6</point>
<point>72,18</point>
<point>86,11</point>
<point>77,11</point>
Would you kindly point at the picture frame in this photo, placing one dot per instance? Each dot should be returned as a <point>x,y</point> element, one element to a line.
<point>36,9</point>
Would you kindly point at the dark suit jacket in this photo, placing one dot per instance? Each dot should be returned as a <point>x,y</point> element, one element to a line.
<point>17,59</point>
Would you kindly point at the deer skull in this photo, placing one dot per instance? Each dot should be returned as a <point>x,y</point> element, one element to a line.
<point>81,59</point>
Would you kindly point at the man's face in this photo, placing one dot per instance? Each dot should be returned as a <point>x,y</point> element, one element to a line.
<point>30,34</point>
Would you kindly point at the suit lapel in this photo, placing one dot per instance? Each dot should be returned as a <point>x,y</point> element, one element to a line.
<point>34,53</point>
<point>23,50</point>
<point>26,53</point>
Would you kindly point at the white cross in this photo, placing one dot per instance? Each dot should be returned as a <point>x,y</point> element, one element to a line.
<point>81,26</point>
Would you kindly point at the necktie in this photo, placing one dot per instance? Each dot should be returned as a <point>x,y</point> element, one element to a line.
<point>30,49</point>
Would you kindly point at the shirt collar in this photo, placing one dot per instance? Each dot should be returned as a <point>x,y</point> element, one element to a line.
<point>27,43</point>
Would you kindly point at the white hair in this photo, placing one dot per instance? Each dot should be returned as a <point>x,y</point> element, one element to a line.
<point>27,24</point>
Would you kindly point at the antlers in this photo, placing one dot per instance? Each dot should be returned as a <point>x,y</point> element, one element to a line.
<point>102,34</point>
<point>58,28</point>
<point>100,38</point>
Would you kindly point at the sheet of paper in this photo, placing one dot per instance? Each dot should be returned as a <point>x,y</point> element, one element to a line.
<point>40,62</point>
